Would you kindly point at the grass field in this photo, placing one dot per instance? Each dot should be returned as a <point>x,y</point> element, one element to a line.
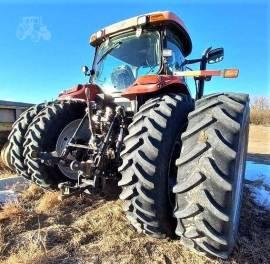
<point>259,140</point>
<point>40,229</point>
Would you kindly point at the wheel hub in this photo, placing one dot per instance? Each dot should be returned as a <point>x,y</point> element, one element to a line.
<point>64,139</point>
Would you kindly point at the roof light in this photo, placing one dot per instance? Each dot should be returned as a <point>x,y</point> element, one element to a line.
<point>93,38</point>
<point>141,20</point>
<point>99,34</point>
<point>156,17</point>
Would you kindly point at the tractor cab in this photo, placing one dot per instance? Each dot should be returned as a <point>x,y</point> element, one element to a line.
<point>147,53</point>
<point>151,44</point>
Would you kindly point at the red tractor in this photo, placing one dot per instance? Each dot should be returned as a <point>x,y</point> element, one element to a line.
<point>179,161</point>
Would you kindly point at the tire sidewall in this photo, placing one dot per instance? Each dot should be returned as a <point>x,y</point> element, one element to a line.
<point>241,157</point>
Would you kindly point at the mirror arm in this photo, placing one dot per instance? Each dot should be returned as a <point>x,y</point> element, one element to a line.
<point>91,75</point>
<point>191,61</point>
<point>201,81</point>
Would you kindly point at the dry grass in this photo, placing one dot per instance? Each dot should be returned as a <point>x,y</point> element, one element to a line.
<point>32,193</point>
<point>254,240</point>
<point>48,202</point>
<point>4,171</point>
<point>259,140</point>
<point>28,254</point>
<point>108,236</point>
<point>3,243</point>
<point>88,229</point>
<point>12,210</point>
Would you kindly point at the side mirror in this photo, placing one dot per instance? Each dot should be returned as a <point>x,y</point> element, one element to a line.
<point>215,55</point>
<point>85,70</point>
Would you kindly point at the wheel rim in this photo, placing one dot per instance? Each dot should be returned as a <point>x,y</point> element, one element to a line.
<point>64,138</point>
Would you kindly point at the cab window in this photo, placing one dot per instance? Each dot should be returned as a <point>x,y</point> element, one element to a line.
<point>175,62</point>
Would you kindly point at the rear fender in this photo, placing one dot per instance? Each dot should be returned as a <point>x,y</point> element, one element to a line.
<point>78,92</point>
<point>155,84</point>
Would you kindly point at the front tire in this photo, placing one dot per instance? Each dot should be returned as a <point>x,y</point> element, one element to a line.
<point>210,173</point>
<point>148,170</point>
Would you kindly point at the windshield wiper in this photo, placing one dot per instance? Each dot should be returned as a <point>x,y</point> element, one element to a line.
<point>109,51</point>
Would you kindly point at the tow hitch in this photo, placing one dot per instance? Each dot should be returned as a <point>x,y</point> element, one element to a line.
<point>94,163</point>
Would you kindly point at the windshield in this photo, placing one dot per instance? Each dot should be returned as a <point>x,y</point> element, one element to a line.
<point>120,61</point>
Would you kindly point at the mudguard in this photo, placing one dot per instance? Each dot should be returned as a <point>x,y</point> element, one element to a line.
<point>154,83</point>
<point>148,84</point>
<point>78,92</point>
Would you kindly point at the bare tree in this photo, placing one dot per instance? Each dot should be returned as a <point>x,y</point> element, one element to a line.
<point>260,111</point>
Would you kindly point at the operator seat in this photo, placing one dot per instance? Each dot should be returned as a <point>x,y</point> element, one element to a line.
<point>122,77</point>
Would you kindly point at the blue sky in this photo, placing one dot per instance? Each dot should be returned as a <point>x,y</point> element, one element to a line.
<point>37,71</point>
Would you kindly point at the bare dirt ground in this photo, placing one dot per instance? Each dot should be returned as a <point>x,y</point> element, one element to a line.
<point>40,229</point>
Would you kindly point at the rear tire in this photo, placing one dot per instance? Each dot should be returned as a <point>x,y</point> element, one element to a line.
<point>42,136</point>
<point>5,155</point>
<point>17,137</point>
<point>147,175</point>
<point>210,173</point>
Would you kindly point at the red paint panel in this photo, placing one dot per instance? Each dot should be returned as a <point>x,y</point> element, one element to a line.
<point>151,84</point>
<point>78,92</point>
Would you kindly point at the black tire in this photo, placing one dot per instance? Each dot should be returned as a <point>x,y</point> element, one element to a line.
<point>210,174</point>
<point>17,137</point>
<point>146,169</point>
<point>42,136</point>
<point>5,155</point>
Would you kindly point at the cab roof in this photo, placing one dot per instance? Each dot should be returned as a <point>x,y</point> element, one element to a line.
<point>156,19</point>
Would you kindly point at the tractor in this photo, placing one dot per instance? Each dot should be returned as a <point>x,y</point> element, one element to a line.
<point>179,161</point>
